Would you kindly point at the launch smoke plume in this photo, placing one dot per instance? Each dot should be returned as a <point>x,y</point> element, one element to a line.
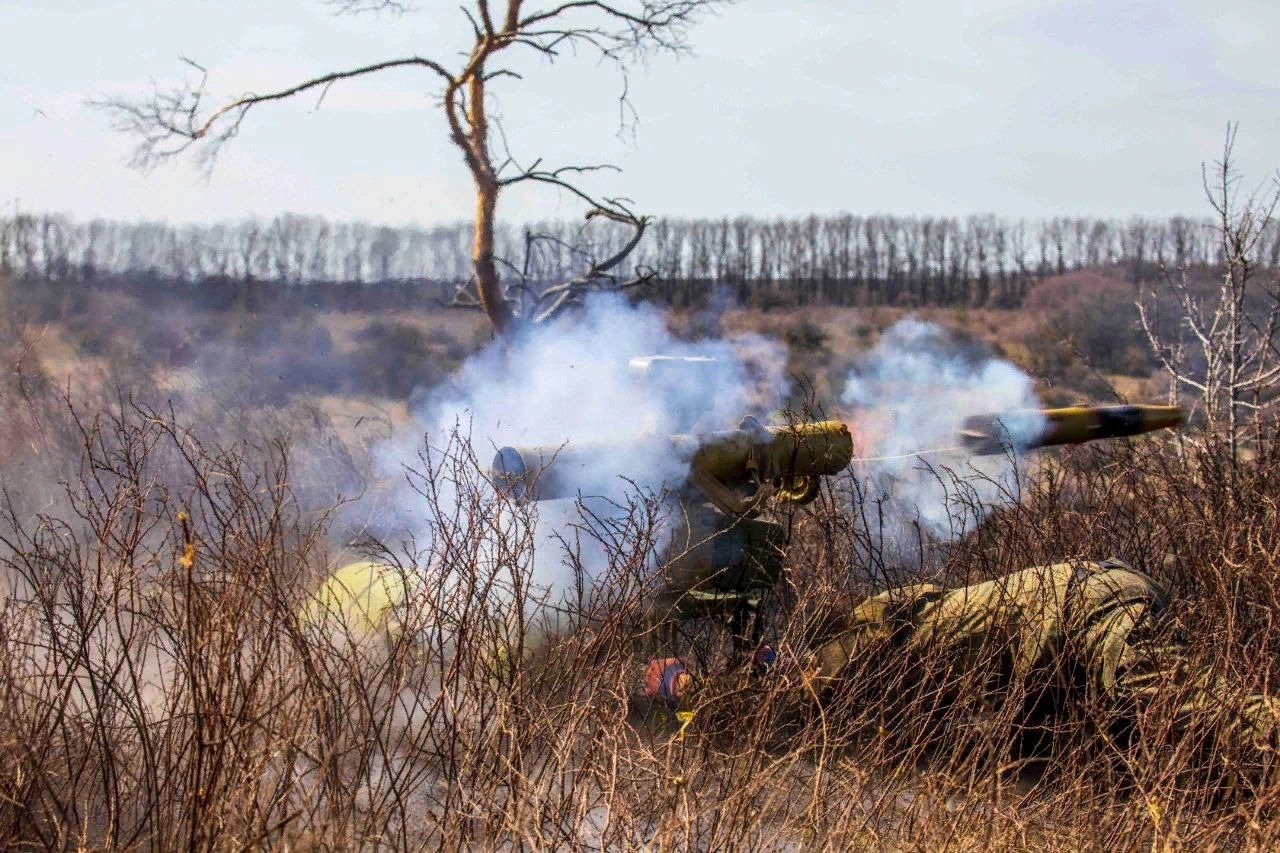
<point>568,384</point>
<point>910,395</point>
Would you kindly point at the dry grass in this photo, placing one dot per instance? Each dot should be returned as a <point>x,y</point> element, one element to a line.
<point>158,689</point>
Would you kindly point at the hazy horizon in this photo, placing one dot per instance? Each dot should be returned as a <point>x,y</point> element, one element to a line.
<point>1032,110</point>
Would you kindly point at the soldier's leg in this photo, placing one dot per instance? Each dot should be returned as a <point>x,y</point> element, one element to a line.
<point>1011,649</point>
<point>925,655</point>
<point>1023,608</point>
<point>1063,619</point>
<point>1141,672</point>
<point>1175,702</point>
<point>1102,621</point>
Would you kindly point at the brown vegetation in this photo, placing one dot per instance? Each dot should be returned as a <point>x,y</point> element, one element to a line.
<point>160,690</point>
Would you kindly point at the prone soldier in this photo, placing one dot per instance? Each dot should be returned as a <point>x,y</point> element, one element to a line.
<point>1065,636</point>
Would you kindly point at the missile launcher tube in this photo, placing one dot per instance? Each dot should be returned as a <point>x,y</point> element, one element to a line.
<point>733,456</point>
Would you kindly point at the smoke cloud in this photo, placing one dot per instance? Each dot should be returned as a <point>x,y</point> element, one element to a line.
<point>910,395</point>
<point>569,386</point>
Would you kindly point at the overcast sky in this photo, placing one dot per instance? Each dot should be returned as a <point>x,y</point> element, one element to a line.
<point>1019,107</point>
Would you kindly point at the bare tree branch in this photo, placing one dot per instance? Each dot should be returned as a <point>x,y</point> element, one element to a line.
<point>597,277</point>
<point>1234,328</point>
<point>169,123</point>
<point>358,7</point>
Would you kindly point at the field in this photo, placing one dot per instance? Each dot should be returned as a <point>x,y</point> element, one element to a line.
<point>177,480</point>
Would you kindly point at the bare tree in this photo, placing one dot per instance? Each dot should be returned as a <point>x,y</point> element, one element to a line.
<point>1229,358</point>
<point>169,123</point>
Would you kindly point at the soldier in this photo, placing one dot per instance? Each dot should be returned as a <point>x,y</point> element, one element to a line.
<point>1076,634</point>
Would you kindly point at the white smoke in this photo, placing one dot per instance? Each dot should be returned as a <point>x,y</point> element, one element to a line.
<point>912,393</point>
<point>568,384</point>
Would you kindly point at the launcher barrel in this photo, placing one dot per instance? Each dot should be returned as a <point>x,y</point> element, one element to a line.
<point>751,453</point>
<point>1029,429</point>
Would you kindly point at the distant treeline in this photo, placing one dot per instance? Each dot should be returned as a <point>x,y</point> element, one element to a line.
<point>840,259</point>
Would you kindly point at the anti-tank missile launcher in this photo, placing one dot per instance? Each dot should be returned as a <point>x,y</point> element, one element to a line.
<point>732,475</point>
<point>734,469</point>
<point>737,469</point>
<point>720,554</point>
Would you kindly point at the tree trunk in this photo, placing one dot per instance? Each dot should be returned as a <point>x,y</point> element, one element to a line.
<point>488,287</point>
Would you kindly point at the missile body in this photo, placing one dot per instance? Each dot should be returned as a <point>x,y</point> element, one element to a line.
<point>985,435</point>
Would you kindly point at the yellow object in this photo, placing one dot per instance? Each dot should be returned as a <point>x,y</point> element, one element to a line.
<point>360,597</point>
<point>685,718</point>
<point>188,558</point>
<point>1028,429</point>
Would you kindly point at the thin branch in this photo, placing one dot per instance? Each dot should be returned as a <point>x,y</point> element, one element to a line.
<point>664,25</point>
<point>485,16</point>
<point>612,207</point>
<point>359,7</point>
<point>462,297</point>
<point>475,25</point>
<point>531,239</point>
<point>169,123</point>
<point>570,292</point>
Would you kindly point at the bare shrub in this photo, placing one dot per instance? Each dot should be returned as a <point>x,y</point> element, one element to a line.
<point>1222,350</point>
<point>161,685</point>
<point>160,688</point>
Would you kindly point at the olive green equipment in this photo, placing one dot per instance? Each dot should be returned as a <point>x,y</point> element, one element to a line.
<point>985,435</point>
<point>720,546</point>
<point>721,555</point>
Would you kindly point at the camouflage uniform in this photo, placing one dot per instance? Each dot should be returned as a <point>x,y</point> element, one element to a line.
<point>1075,632</point>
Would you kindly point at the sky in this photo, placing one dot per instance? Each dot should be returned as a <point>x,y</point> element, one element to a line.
<point>786,107</point>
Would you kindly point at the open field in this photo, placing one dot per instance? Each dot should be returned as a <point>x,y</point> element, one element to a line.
<point>673,425</point>
<point>176,483</point>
